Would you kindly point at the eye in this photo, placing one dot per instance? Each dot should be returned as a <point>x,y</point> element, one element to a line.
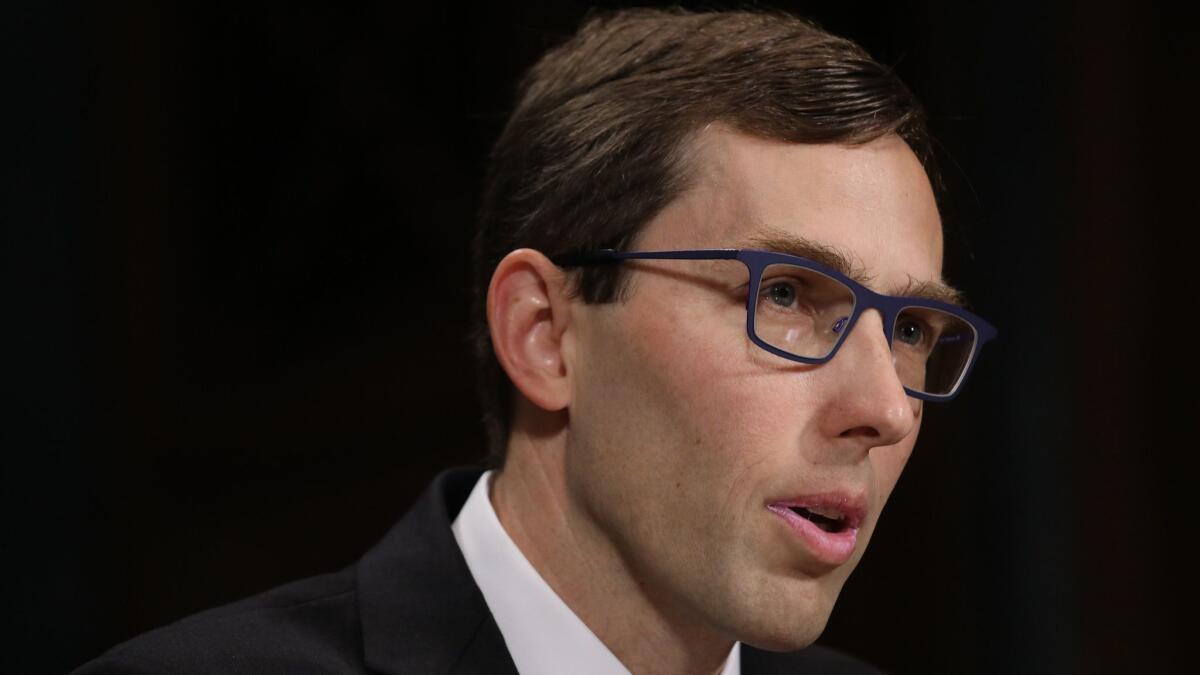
<point>781,293</point>
<point>910,332</point>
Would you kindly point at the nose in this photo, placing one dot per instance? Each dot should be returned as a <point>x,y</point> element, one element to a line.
<point>867,402</point>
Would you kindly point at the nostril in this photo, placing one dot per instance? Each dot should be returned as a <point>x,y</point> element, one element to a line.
<point>860,432</point>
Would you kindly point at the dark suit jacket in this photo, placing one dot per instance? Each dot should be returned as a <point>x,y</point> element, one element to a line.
<point>408,606</point>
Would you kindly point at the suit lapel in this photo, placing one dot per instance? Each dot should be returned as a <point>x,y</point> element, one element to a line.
<point>486,653</point>
<point>421,610</point>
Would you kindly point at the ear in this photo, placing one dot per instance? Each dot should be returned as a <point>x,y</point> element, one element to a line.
<point>528,313</point>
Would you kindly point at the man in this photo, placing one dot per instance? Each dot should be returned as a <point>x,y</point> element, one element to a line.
<point>711,312</point>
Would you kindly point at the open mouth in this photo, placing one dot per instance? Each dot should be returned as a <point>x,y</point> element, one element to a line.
<point>828,520</point>
<point>827,524</point>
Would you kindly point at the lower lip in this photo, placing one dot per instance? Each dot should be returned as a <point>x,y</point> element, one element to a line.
<point>831,548</point>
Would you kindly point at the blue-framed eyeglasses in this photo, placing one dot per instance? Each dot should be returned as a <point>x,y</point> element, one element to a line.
<point>802,310</point>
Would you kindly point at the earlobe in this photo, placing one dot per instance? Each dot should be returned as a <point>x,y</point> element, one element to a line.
<point>527,317</point>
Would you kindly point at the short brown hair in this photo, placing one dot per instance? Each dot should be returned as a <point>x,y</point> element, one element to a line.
<point>595,146</point>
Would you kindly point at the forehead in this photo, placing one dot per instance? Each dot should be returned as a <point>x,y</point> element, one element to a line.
<point>871,203</point>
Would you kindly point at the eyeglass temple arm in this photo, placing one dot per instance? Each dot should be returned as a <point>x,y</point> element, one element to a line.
<point>609,255</point>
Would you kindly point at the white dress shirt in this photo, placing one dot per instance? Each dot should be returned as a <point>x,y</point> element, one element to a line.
<point>543,635</point>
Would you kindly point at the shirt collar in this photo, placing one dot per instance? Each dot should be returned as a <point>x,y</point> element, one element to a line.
<point>543,635</point>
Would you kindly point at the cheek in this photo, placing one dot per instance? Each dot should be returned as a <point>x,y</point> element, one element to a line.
<point>701,385</point>
<point>658,363</point>
<point>663,392</point>
<point>680,392</point>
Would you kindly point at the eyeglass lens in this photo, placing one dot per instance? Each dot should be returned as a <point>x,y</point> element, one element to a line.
<point>803,312</point>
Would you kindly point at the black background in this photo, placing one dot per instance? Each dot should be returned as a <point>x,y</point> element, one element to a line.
<point>236,271</point>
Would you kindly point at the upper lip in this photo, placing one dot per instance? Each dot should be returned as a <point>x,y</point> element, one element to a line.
<point>851,508</point>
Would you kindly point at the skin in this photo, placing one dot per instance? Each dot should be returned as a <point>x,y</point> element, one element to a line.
<point>650,433</point>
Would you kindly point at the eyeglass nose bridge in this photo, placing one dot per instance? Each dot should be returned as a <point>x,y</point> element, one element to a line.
<point>888,313</point>
<point>887,316</point>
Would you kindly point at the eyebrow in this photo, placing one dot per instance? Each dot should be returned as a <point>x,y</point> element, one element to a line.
<point>840,260</point>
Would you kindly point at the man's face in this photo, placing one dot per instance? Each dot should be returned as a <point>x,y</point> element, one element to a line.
<point>685,438</point>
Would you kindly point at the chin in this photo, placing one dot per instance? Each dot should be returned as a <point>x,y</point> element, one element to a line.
<point>789,621</point>
<point>788,638</point>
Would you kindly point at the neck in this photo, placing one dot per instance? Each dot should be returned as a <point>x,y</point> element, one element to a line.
<point>581,564</point>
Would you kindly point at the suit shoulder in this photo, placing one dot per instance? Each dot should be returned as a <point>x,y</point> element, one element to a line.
<point>308,626</point>
<point>814,659</point>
